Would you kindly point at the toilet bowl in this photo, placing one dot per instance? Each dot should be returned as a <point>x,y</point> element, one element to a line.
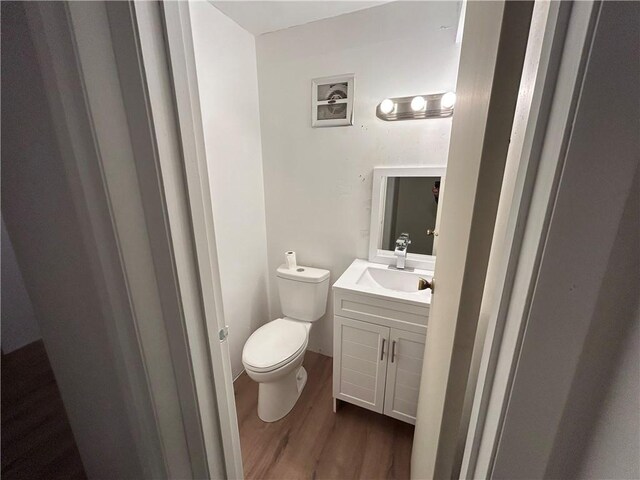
<point>273,357</point>
<point>273,354</point>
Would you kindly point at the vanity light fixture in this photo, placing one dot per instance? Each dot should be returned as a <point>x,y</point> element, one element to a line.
<point>386,106</point>
<point>418,103</point>
<point>448,100</point>
<point>416,107</point>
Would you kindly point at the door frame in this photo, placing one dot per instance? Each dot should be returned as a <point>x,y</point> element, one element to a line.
<point>549,91</point>
<point>491,58</point>
<point>547,39</point>
<point>180,62</point>
<point>524,344</point>
<point>131,139</point>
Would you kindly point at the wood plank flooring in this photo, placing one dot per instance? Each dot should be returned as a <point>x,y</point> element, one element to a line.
<point>37,442</point>
<point>314,443</point>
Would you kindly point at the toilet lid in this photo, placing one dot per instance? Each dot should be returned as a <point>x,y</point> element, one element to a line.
<point>273,344</point>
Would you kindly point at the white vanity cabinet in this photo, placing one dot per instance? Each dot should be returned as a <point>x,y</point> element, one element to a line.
<point>378,348</point>
<point>360,350</point>
<point>403,374</point>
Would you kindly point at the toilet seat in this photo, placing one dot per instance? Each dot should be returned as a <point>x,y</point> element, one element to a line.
<point>275,344</point>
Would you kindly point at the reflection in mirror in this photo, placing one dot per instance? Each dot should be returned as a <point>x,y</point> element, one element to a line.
<point>410,206</point>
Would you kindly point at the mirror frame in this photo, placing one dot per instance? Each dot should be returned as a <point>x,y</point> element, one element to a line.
<point>380,175</point>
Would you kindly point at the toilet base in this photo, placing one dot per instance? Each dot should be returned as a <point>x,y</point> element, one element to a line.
<point>277,399</point>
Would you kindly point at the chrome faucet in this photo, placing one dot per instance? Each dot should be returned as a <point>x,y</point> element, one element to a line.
<point>402,243</point>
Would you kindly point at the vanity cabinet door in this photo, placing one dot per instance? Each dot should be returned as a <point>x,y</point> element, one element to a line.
<point>360,362</point>
<point>406,352</point>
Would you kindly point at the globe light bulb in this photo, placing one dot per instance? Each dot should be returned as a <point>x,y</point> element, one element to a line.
<point>387,106</point>
<point>418,103</point>
<point>448,100</point>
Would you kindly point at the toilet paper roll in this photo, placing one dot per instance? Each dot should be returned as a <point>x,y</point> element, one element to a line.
<point>291,260</point>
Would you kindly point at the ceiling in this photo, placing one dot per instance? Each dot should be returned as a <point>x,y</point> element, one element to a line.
<point>260,17</point>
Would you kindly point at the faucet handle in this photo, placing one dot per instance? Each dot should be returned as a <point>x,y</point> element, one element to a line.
<point>402,242</point>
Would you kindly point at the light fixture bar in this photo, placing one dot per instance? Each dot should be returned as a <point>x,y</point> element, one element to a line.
<point>415,107</point>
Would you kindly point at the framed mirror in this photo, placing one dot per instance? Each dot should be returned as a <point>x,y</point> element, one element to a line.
<point>406,200</point>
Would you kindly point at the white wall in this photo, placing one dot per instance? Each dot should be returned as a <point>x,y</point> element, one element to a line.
<point>227,77</point>
<point>614,442</point>
<point>318,181</point>
<point>599,434</point>
<point>19,325</point>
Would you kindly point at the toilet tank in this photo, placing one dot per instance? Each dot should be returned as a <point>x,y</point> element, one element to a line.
<point>303,292</point>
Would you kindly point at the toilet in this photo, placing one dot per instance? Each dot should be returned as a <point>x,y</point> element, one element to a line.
<point>273,354</point>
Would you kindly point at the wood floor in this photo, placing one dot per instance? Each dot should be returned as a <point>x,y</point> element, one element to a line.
<point>314,443</point>
<point>37,442</point>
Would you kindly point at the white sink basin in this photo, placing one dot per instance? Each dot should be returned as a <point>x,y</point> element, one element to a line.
<point>396,280</point>
<point>381,281</point>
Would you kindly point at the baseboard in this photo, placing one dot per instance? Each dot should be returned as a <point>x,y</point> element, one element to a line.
<point>315,350</point>
<point>238,376</point>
